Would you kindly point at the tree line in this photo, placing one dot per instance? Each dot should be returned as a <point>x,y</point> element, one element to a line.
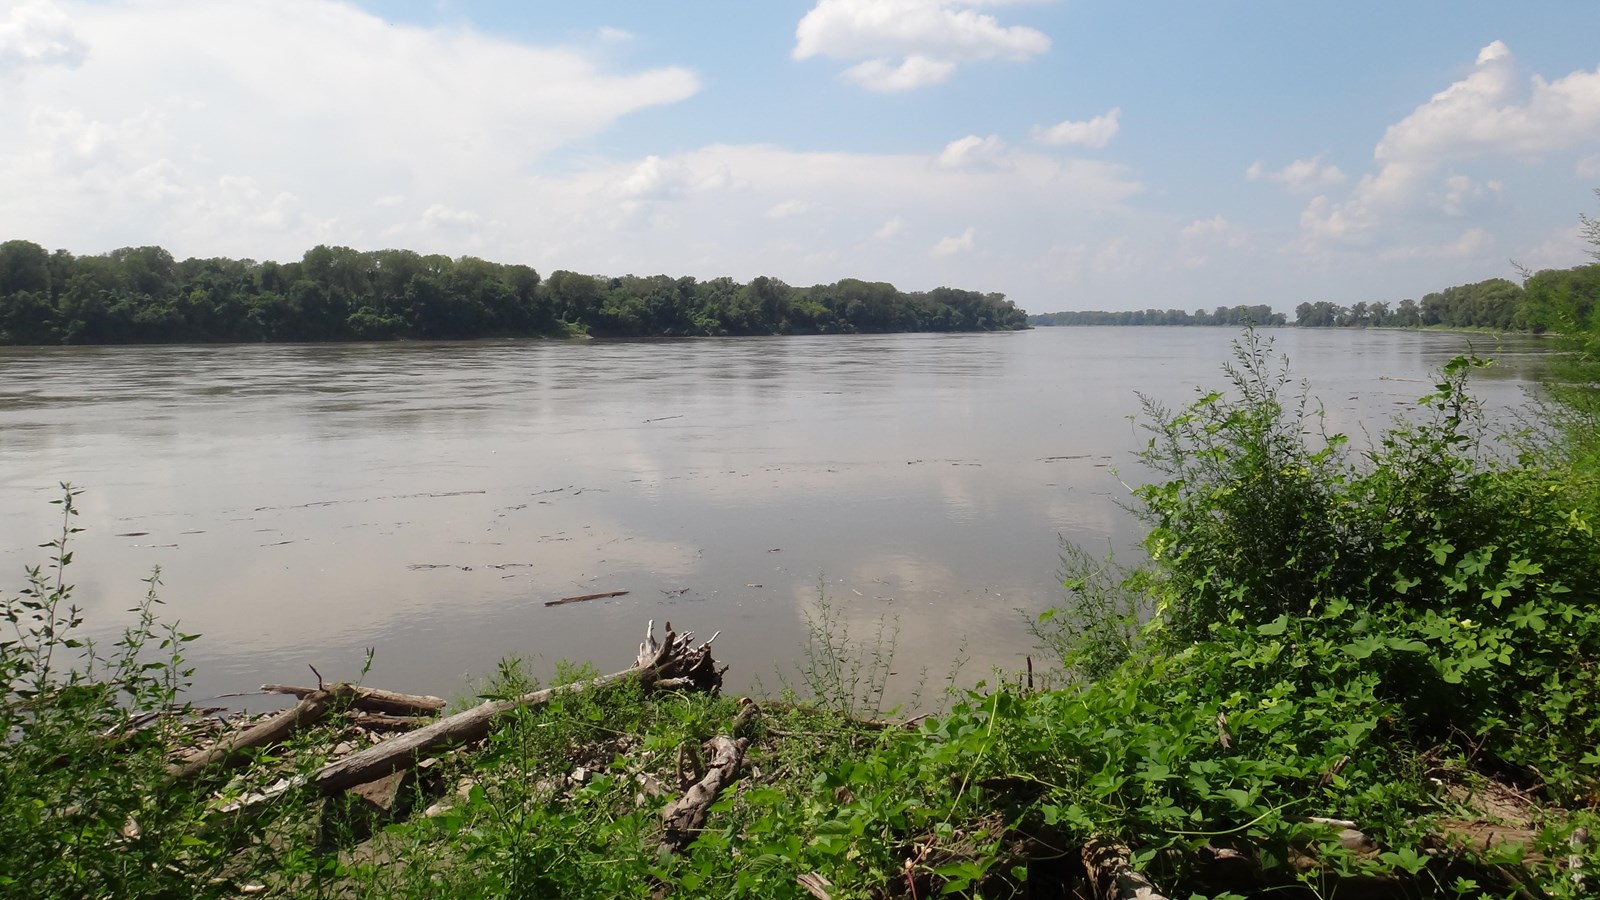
<point>145,295</point>
<point>1236,316</point>
<point>1549,300</point>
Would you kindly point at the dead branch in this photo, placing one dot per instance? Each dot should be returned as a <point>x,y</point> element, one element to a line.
<point>370,699</point>
<point>673,658</point>
<point>231,750</point>
<point>685,816</point>
<point>582,597</point>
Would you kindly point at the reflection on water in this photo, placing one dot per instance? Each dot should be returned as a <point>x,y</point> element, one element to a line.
<point>307,502</point>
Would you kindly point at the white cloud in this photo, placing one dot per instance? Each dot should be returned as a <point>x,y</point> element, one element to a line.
<point>170,97</point>
<point>440,215</point>
<point>891,228</point>
<point>911,73</point>
<point>1474,243</point>
<point>788,209</point>
<point>1589,167</point>
<point>1096,132</point>
<point>905,44</point>
<point>38,33</point>
<point>613,35</point>
<point>1300,176</point>
<point>1462,193</point>
<point>958,244</point>
<point>973,152</point>
<point>1562,248</point>
<point>1493,112</point>
<point>1201,239</point>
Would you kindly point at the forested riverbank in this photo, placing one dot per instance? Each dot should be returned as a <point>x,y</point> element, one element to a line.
<point>145,295</point>
<point>1548,300</point>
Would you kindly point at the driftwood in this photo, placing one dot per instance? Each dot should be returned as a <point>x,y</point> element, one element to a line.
<point>1112,875</point>
<point>582,597</point>
<point>371,721</point>
<point>231,750</point>
<point>369,699</point>
<point>674,663</point>
<point>685,816</point>
<point>815,885</point>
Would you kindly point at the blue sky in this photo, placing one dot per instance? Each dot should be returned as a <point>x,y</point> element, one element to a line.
<point>1072,154</point>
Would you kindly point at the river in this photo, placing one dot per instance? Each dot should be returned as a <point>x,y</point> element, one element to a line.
<point>306,502</point>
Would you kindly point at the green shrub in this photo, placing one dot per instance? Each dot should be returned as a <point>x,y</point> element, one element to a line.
<point>1456,575</point>
<point>85,807</point>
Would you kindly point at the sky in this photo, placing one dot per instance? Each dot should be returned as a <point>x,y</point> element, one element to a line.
<point>1074,154</point>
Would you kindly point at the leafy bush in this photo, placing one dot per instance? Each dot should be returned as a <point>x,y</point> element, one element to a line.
<point>1455,575</point>
<point>86,809</point>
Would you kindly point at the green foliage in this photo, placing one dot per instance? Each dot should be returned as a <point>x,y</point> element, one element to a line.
<point>82,811</point>
<point>1455,576</point>
<point>143,295</point>
<point>1233,317</point>
<point>1332,633</point>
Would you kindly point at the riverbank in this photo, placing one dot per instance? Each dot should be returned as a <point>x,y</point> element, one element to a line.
<point>1335,672</point>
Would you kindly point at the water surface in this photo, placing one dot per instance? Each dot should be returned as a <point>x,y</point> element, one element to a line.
<point>306,502</point>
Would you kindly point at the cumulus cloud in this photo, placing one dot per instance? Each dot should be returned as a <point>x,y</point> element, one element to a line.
<point>891,228</point>
<point>38,33</point>
<point>1589,167</point>
<point>959,244</point>
<point>1096,132</point>
<point>900,45</point>
<point>1492,113</point>
<point>1201,239</point>
<point>1300,176</point>
<point>788,209</point>
<point>1474,243</point>
<point>1495,110</point>
<point>973,152</point>
<point>318,100</point>
<point>1561,248</point>
<point>1461,194</point>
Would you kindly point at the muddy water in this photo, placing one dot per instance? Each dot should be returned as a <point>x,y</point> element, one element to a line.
<point>305,503</point>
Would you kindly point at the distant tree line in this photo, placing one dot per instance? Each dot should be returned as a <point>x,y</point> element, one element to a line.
<point>1549,300</point>
<point>1236,316</point>
<point>144,295</point>
<point>1486,304</point>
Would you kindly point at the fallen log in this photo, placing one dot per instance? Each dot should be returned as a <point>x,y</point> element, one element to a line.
<point>370,699</point>
<point>1112,875</point>
<point>685,816</point>
<point>231,750</point>
<point>583,597</point>
<point>386,722</point>
<point>674,663</point>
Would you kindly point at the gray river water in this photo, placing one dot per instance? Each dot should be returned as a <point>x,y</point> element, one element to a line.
<point>306,502</point>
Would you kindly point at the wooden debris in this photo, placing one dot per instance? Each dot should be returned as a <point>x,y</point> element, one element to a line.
<point>1112,875</point>
<point>685,816</point>
<point>232,750</point>
<point>583,597</point>
<point>386,722</point>
<point>673,663</point>
<point>815,885</point>
<point>370,699</point>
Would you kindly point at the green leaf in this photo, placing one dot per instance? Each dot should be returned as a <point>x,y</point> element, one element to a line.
<point>1275,627</point>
